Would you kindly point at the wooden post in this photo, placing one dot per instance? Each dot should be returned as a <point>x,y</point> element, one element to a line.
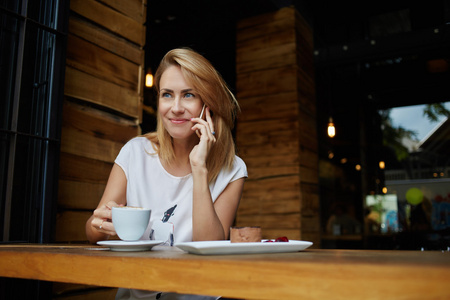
<point>102,111</point>
<point>102,107</point>
<point>276,132</point>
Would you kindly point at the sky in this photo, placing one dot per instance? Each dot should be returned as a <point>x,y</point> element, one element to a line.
<point>412,118</point>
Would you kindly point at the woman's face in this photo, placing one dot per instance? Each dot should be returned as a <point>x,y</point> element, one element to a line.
<point>178,103</point>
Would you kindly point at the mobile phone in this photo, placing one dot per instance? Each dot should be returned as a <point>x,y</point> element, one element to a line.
<point>201,115</point>
<point>203,110</point>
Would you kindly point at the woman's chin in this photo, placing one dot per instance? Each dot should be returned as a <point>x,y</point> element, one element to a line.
<point>177,135</point>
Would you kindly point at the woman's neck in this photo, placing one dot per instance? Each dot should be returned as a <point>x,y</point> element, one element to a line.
<point>181,165</point>
<point>182,148</point>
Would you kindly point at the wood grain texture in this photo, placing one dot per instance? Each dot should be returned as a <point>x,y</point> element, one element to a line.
<point>311,274</point>
<point>98,62</point>
<point>99,123</point>
<point>102,110</point>
<point>79,168</point>
<point>86,87</point>
<point>79,195</point>
<point>135,9</point>
<point>106,40</point>
<point>70,226</point>
<point>276,132</point>
<point>79,143</point>
<point>111,19</point>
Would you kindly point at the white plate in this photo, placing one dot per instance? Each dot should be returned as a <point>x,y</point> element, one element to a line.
<point>143,245</point>
<point>226,247</point>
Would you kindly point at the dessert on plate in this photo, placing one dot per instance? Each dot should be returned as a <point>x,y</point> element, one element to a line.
<point>245,234</point>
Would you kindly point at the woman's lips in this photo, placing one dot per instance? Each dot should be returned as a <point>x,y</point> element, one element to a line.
<point>179,121</point>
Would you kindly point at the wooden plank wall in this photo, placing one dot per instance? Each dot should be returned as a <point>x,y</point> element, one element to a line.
<point>102,110</point>
<point>276,131</point>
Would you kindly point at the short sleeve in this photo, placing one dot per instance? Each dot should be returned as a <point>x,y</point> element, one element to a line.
<point>123,158</point>
<point>239,170</point>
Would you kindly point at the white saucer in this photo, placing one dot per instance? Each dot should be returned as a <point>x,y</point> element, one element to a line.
<point>225,247</point>
<point>143,245</point>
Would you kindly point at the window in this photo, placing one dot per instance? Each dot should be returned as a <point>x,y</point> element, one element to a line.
<point>32,60</point>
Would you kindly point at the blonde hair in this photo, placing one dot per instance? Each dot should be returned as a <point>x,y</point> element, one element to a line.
<point>214,92</point>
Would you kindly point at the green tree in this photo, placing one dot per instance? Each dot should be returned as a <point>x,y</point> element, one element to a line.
<point>433,111</point>
<point>393,136</point>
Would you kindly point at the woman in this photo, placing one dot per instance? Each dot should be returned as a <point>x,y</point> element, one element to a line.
<point>187,171</point>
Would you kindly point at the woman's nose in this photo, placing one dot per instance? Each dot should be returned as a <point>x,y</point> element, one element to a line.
<point>177,106</point>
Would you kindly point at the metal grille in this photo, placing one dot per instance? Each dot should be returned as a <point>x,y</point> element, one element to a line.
<point>32,60</point>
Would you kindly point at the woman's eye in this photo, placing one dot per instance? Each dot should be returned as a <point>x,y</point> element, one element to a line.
<point>165,95</point>
<point>189,95</point>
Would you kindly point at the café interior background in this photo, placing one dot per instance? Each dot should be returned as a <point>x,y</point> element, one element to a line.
<point>369,58</point>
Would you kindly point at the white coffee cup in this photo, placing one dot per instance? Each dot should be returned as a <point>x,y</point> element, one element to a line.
<point>130,222</point>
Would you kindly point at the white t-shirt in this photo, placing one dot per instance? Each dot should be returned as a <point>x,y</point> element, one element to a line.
<point>169,197</point>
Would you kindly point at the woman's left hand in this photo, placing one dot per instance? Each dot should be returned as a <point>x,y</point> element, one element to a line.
<point>205,131</point>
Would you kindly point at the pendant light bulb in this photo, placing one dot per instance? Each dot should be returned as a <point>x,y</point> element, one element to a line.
<point>149,78</point>
<point>331,128</point>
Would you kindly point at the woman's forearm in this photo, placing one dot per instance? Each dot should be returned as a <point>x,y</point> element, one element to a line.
<point>206,224</point>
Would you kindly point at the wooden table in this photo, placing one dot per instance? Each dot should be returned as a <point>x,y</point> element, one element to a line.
<point>310,274</point>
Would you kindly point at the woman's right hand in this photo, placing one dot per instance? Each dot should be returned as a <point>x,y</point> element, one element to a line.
<point>99,226</point>
<point>102,218</point>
